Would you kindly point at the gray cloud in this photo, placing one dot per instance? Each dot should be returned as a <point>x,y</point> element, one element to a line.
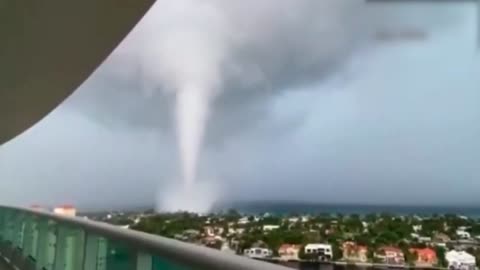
<point>362,122</point>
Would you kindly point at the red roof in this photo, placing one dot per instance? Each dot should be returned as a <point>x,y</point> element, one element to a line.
<point>362,247</point>
<point>427,252</point>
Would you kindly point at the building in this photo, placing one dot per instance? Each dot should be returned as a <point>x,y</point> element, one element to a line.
<point>322,251</point>
<point>267,228</point>
<point>441,240</point>
<point>66,210</point>
<point>460,260</point>
<point>463,234</point>
<point>354,253</point>
<point>289,252</point>
<point>417,228</point>
<point>258,253</point>
<point>243,221</point>
<point>390,255</point>
<point>425,256</point>
<point>209,231</point>
<point>293,219</point>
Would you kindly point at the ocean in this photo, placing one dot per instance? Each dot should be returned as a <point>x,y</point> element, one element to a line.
<point>284,208</point>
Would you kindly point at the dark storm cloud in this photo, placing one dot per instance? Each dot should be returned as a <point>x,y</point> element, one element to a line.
<point>274,47</point>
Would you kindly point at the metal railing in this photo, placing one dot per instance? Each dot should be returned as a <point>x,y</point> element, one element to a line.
<point>33,239</point>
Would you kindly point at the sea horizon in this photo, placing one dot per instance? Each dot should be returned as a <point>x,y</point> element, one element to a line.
<point>299,207</point>
<point>279,207</point>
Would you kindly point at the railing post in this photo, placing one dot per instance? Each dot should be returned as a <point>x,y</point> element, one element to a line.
<point>45,245</point>
<point>35,233</point>
<point>102,254</point>
<point>76,251</point>
<point>19,227</point>
<point>9,227</point>
<point>144,261</point>
<point>28,237</point>
<point>61,249</point>
<point>90,251</point>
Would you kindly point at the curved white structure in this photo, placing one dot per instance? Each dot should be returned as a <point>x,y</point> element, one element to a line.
<point>48,48</point>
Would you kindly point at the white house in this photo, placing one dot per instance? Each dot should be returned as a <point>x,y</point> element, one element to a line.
<point>305,218</point>
<point>417,228</point>
<point>324,251</point>
<point>463,234</point>
<point>270,227</point>
<point>258,253</point>
<point>460,260</point>
<point>293,219</point>
<point>240,230</point>
<point>66,210</point>
<point>243,220</point>
<point>209,231</point>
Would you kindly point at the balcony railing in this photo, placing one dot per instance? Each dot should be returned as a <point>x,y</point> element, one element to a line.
<point>33,239</point>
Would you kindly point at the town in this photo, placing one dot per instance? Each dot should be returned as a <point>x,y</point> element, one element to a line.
<point>435,241</point>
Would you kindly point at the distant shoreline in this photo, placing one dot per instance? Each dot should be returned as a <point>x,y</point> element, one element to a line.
<point>298,207</point>
<point>256,207</point>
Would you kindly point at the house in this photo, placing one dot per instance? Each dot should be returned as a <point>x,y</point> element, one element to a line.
<point>417,228</point>
<point>390,255</point>
<point>460,260</point>
<point>462,234</point>
<point>354,253</point>
<point>293,219</point>
<point>305,218</point>
<point>66,210</point>
<point>365,226</point>
<point>243,220</point>
<point>258,253</point>
<point>267,228</point>
<point>289,252</point>
<point>209,231</point>
<point>321,251</point>
<point>259,244</point>
<point>441,240</point>
<point>240,231</point>
<point>421,239</point>
<point>425,256</point>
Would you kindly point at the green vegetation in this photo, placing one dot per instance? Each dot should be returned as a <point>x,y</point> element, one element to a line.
<point>372,231</point>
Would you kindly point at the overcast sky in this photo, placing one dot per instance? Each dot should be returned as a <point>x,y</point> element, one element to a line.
<point>346,119</point>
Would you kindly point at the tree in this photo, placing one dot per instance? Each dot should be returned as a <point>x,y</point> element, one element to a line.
<point>304,256</point>
<point>475,229</point>
<point>370,218</point>
<point>363,239</point>
<point>411,257</point>
<point>442,262</point>
<point>353,224</point>
<point>232,215</point>
<point>337,252</point>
